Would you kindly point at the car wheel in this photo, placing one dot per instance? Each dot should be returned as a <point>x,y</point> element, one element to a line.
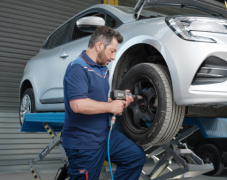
<point>27,104</point>
<point>155,119</point>
<point>210,154</point>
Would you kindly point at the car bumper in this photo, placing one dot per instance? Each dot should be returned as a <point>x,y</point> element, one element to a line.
<point>184,59</point>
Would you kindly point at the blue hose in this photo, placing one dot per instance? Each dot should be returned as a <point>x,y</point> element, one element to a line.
<point>108,152</point>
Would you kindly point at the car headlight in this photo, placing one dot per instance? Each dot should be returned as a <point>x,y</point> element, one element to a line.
<point>183,26</point>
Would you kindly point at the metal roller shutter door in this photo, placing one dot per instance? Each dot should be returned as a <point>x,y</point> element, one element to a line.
<point>25,24</point>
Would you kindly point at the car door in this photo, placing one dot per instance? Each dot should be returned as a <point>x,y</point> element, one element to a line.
<point>78,41</point>
<point>46,68</point>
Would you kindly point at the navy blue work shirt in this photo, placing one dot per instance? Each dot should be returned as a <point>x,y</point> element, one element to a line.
<point>85,79</point>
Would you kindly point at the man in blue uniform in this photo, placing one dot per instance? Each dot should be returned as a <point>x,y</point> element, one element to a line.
<point>87,109</point>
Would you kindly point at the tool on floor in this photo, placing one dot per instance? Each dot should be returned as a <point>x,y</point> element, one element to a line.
<point>117,95</point>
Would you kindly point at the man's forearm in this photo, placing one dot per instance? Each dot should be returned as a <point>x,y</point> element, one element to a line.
<point>89,106</point>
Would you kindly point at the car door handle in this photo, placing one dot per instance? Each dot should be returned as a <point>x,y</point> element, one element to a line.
<point>64,55</point>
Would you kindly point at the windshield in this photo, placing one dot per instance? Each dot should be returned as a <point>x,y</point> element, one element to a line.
<point>164,11</point>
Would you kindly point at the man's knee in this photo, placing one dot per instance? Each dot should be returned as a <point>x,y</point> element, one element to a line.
<point>142,156</point>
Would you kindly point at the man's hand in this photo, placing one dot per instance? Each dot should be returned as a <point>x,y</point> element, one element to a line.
<point>117,106</point>
<point>129,99</point>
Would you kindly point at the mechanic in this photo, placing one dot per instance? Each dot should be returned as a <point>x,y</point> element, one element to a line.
<point>87,109</point>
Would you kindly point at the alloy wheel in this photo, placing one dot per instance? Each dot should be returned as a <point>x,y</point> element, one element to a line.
<point>25,107</point>
<point>208,157</point>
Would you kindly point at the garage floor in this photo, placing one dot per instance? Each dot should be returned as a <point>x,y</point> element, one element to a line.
<point>50,175</point>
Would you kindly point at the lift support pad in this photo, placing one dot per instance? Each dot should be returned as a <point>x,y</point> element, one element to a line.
<point>33,122</point>
<point>210,127</point>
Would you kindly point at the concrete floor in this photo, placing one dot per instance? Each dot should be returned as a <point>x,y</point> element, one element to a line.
<point>50,175</point>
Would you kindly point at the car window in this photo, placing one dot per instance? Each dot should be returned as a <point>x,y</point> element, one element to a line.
<point>110,21</point>
<point>57,38</point>
<point>81,34</point>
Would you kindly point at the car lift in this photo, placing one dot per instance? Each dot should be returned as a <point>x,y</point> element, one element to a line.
<point>41,122</point>
<point>190,164</point>
<point>56,141</point>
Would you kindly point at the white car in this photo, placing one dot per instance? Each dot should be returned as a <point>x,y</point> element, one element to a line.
<point>170,58</point>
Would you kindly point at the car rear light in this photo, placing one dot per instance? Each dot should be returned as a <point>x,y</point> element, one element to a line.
<point>213,70</point>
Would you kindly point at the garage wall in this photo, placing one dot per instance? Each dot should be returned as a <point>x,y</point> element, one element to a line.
<point>25,24</point>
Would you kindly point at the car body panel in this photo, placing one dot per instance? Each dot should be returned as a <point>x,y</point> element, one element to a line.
<point>45,74</point>
<point>145,37</point>
<point>207,6</point>
<point>28,76</point>
<point>73,48</point>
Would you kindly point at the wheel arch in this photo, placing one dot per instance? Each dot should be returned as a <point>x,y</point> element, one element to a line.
<point>25,85</point>
<point>131,53</point>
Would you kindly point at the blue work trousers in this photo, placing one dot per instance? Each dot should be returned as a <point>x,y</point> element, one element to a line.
<point>86,164</point>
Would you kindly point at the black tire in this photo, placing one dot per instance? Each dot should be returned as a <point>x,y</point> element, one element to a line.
<point>210,154</point>
<point>159,109</point>
<point>27,95</point>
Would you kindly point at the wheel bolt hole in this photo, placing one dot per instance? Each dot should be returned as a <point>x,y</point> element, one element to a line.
<point>143,105</point>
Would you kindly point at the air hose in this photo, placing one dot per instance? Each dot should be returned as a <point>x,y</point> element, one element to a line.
<point>112,122</point>
<point>117,95</point>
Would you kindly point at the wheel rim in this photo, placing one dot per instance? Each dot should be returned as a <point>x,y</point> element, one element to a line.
<point>25,107</point>
<point>140,114</point>
<point>208,157</point>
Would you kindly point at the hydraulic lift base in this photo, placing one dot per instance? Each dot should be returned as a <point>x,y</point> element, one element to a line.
<point>55,142</point>
<point>190,165</point>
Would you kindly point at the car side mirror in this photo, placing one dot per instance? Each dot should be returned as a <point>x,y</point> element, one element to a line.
<point>89,23</point>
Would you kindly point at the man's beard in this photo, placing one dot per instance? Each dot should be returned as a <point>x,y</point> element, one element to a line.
<point>102,59</point>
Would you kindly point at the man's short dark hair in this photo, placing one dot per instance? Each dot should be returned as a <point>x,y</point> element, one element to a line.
<point>105,35</point>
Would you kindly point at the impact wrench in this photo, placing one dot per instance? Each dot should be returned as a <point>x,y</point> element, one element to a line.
<point>117,95</point>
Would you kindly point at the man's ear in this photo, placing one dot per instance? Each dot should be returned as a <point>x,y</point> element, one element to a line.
<point>99,46</point>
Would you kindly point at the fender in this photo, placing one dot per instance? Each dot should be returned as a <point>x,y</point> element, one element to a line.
<point>30,79</point>
<point>41,107</point>
<point>27,77</point>
<point>142,39</point>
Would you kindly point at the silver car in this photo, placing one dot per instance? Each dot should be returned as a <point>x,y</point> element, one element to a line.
<point>174,55</point>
